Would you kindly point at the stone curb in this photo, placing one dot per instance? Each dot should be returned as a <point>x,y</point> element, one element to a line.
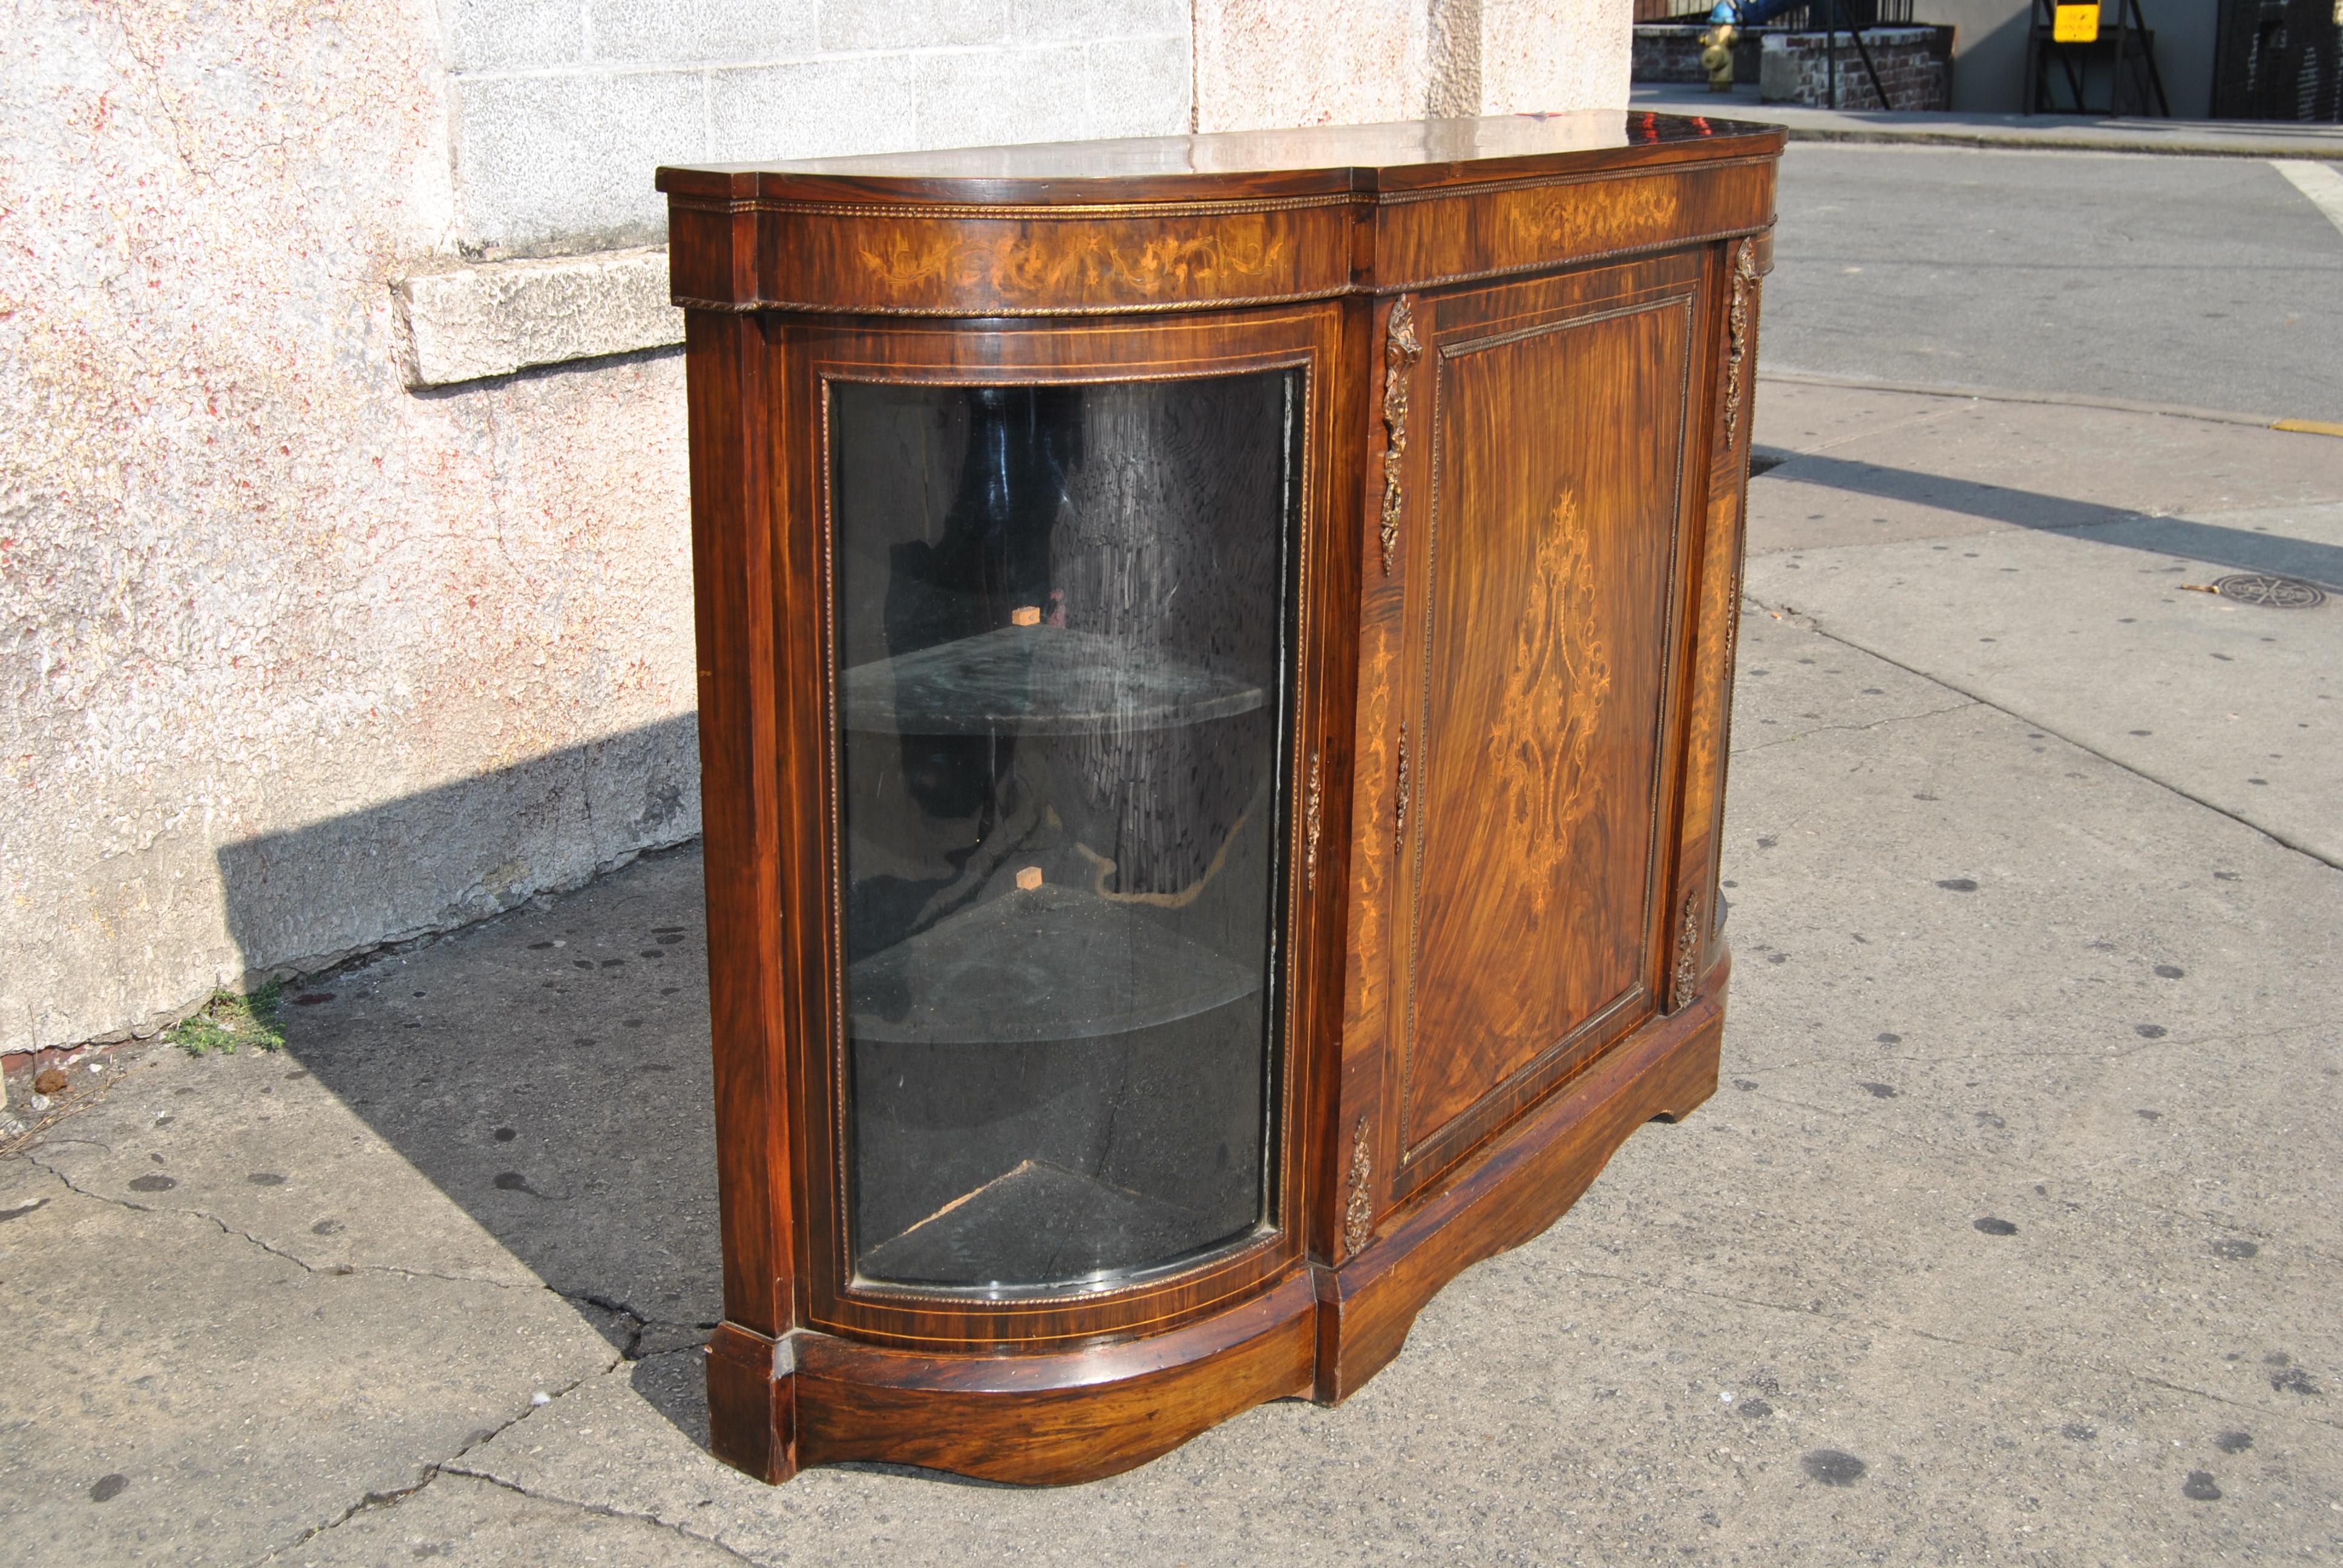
<point>2035,133</point>
<point>2064,399</point>
<point>2069,139</point>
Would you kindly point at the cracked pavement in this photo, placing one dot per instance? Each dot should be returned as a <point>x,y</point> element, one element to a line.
<point>2012,1233</point>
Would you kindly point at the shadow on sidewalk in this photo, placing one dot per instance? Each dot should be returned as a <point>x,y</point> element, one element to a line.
<point>2241,549</point>
<point>546,1068</point>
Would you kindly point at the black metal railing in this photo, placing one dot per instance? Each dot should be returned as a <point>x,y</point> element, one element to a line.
<point>2279,60</point>
<point>1811,18</point>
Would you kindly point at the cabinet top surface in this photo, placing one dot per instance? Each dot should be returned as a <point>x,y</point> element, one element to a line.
<point>1409,155</point>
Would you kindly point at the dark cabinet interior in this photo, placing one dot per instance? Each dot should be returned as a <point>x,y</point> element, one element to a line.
<point>1062,640</point>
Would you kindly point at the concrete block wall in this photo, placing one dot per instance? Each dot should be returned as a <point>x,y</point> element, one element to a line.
<point>345,532</point>
<point>561,108</point>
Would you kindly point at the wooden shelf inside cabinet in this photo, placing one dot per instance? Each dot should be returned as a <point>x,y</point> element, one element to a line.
<point>1136,1011</point>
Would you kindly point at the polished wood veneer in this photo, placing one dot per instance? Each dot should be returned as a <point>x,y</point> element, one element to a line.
<point>1527,344</point>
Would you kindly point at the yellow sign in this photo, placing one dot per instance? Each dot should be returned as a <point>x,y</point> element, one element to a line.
<point>2075,24</point>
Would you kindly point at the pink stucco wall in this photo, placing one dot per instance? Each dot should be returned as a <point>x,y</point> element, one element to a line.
<point>248,583</point>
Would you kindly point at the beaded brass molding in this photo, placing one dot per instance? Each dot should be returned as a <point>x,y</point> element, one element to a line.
<point>1358,1212</point>
<point>1401,351</point>
<point>912,207</point>
<point>1007,312</point>
<point>1745,276</point>
<point>1598,176</point>
<point>1417,282</point>
<point>1327,290</point>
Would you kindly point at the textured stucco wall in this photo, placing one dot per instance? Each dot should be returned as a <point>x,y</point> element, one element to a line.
<point>1539,55</point>
<point>249,586</point>
<point>295,660</point>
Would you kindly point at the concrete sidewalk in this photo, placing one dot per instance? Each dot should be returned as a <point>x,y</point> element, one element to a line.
<point>2014,1232</point>
<point>2070,133</point>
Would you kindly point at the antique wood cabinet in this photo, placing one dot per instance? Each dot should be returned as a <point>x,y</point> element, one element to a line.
<point>1215,656</point>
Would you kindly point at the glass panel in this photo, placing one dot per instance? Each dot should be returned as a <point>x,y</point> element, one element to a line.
<point>1060,632</point>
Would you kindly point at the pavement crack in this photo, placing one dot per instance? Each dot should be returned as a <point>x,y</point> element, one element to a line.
<point>226,1229</point>
<point>482,1440</point>
<point>643,1321</point>
<point>366,1504</point>
<point>1806,622</point>
<point>631,1350</point>
<point>1875,724</point>
<point>329,1270</point>
<point>1837,1113</point>
<point>1955,404</point>
<point>2071,1365</point>
<point>604,1510</point>
<point>431,1471</point>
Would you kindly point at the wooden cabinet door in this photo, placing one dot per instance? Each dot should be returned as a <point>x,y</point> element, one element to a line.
<point>1543,615</point>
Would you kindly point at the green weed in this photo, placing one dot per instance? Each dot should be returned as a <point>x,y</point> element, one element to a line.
<point>228,1020</point>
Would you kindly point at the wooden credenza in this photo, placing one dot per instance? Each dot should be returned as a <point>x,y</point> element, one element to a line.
<point>1215,660</point>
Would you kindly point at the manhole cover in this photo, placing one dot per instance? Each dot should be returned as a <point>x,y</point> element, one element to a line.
<point>2269,592</point>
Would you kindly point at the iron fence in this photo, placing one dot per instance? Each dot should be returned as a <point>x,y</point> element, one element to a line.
<point>2277,60</point>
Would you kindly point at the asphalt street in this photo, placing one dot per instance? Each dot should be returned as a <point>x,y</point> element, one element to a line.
<point>2208,283</point>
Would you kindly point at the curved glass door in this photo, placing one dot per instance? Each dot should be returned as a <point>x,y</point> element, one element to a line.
<point>1062,640</point>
